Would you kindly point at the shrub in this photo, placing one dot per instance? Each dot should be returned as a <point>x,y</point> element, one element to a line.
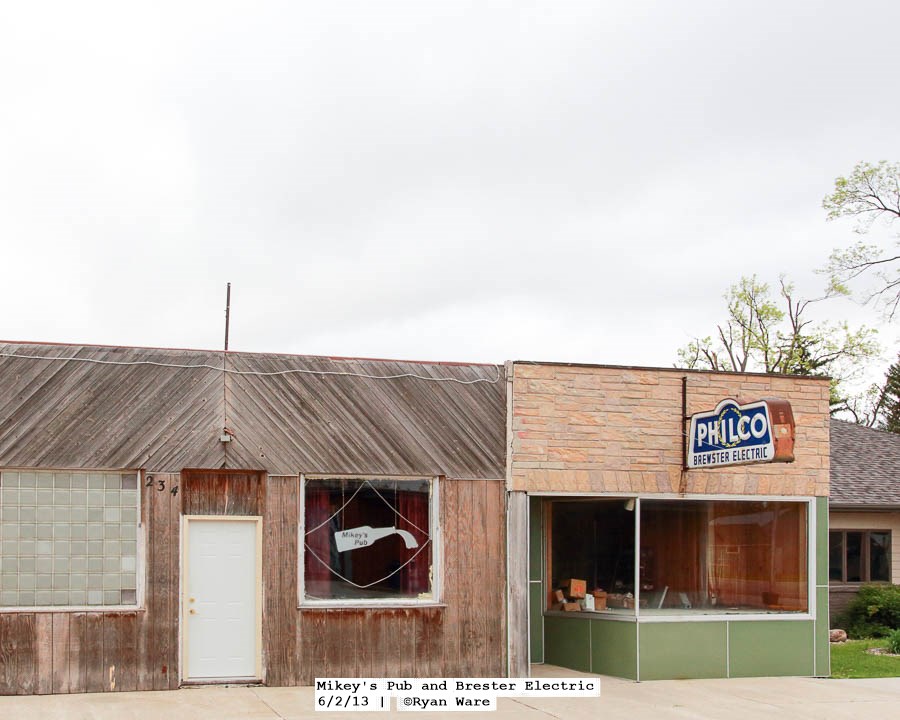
<point>874,612</point>
<point>893,645</point>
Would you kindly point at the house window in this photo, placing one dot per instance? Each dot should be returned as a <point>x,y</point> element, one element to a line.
<point>693,556</point>
<point>859,556</point>
<point>368,540</point>
<point>68,538</point>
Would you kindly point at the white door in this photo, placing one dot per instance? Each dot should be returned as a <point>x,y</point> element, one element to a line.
<point>221,599</point>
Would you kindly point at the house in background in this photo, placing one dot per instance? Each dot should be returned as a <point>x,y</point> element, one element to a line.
<point>864,510</point>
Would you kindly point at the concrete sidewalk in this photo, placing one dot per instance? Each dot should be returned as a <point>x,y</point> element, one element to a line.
<point>735,699</point>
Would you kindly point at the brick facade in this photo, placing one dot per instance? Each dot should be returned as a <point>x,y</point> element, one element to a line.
<point>616,429</point>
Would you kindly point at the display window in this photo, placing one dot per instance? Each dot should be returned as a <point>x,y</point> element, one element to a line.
<point>368,540</point>
<point>693,556</point>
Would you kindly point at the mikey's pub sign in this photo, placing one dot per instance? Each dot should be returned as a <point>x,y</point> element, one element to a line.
<point>735,434</point>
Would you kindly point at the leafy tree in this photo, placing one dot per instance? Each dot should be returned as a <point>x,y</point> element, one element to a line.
<point>870,194</point>
<point>867,408</point>
<point>890,399</point>
<point>770,334</point>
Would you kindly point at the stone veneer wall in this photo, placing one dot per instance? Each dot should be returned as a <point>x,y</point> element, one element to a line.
<point>617,429</point>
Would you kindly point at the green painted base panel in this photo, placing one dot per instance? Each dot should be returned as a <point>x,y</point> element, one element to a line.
<point>823,645</point>
<point>567,643</point>
<point>676,651</point>
<point>769,648</point>
<point>536,601</point>
<point>684,650</point>
<point>614,648</point>
<point>603,647</point>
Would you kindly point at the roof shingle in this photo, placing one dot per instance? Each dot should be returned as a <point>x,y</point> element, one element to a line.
<point>865,466</point>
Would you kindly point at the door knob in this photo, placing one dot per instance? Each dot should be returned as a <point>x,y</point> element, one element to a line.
<point>193,611</point>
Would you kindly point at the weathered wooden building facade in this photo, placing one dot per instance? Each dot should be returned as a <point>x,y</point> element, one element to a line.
<point>177,516</point>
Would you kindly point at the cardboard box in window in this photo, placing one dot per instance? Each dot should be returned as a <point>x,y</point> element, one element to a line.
<point>599,599</point>
<point>574,589</point>
<point>618,600</point>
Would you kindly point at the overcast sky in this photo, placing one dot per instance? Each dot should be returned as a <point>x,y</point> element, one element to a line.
<point>477,181</point>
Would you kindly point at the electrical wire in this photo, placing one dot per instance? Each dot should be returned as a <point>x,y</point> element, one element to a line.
<point>259,373</point>
<point>339,510</point>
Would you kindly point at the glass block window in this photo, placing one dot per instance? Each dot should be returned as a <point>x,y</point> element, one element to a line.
<point>68,538</point>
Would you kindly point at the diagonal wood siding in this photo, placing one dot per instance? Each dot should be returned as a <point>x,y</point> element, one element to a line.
<point>74,414</point>
<point>85,415</point>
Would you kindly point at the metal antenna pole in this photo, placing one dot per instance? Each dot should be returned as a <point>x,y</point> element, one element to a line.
<point>227,312</point>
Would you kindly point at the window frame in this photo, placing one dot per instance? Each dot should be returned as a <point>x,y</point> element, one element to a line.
<point>865,558</point>
<point>717,616</point>
<point>140,569</point>
<point>434,528</point>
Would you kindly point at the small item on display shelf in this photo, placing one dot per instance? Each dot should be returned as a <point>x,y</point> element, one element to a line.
<point>575,589</point>
<point>618,600</point>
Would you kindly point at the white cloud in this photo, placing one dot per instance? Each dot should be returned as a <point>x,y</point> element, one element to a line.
<point>575,181</point>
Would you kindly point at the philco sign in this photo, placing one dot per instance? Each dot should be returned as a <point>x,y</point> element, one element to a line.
<point>735,434</point>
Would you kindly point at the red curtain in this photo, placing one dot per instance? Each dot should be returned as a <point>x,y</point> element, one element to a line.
<point>413,506</point>
<point>318,541</point>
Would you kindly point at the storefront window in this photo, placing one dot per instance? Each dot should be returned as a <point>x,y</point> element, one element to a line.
<point>723,556</point>
<point>695,556</point>
<point>68,538</point>
<point>367,540</point>
<point>593,540</point>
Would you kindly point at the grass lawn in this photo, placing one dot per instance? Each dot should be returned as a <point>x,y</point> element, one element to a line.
<point>850,660</point>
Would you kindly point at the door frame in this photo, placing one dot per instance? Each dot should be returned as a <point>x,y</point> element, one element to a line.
<point>183,634</point>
